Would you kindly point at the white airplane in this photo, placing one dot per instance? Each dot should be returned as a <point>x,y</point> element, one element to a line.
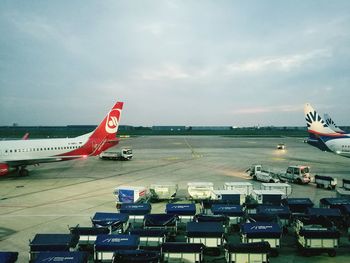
<point>323,137</point>
<point>331,123</point>
<point>17,154</point>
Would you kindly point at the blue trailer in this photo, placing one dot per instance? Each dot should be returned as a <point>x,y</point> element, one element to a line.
<point>150,237</point>
<point>8,257</point>
<point>116,222</point>
<point>211,234</point>
<point>62,257</point>
<point>161,221</point>
<point>52,242</point>
<point>106,245</point>
<point>298,205</point>
<point>317,240</point>
<point>233,212</point>
<point>283,213</point>
<point>334,202</point>
<point>185,212</point>
<point>332,214</point>
<point>257,252</point>
<point>87,235</point>
<point>260,231</point>
<point>136,212</point>
<point>137,256</point>
<point>183,252</point>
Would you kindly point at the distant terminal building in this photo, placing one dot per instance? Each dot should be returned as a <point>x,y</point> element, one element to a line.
<point>168,128</point>
<point>210,128</point>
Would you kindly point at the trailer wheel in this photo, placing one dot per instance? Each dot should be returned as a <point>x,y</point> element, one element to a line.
<point>332,253</point>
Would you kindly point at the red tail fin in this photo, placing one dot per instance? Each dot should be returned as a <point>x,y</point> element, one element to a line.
<point>104,135</point>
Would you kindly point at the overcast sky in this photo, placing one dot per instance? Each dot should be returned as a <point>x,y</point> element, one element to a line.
<point>238,63</point>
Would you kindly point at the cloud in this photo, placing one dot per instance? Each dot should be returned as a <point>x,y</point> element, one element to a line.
<point>169,71</point>
<point>281,63</point>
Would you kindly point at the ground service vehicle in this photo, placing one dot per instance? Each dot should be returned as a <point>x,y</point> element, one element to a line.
<point>259,174</point>
<point>299,174</point>
<point>123,154</point>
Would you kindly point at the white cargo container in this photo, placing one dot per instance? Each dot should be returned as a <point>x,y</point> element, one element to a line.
<point>130,194</point>
<point>231,196</point>
<point>283,187</point>
<point>200,190</point>
<point>244,187</point>
<point>165,191</point>
<point>267,196</point>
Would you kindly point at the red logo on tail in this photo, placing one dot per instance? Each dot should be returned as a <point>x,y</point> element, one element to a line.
<point>112,121</point>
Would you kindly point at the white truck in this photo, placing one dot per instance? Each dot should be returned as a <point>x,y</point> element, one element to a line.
<point>299,174</point>
<point>123,154</point>
<point>258,174</point>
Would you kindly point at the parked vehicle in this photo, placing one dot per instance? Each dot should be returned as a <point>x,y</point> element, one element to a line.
<point>281,146</point>
<point>325,181</point>
<point>299,174</point>
<point>257,172</point>
<point>123,154</point>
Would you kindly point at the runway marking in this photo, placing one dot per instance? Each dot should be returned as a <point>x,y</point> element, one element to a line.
<point>194,154</point>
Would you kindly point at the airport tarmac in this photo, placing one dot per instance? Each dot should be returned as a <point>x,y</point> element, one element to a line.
<point>56,195</point>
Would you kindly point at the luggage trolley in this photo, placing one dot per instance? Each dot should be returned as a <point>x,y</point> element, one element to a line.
<point>117,223</point>
<point>332,214</point>
<point>262,231</point>
<point>141,256</point>
<point>150,237</point>
<point>257,252</point>
<point>185,212</point>
<point>136,212</point>
<point>233,212</point>
<point>298,205</point>
<point>282,212</point>
<point>52,242</point>
<point>181,251</point>
<point>8,257</point>
<point>161,221</point>
<point>62,257</point>
<point>106,245</point>
<point>317,240</point>
<point>87,235</point>
<point>211,234</point>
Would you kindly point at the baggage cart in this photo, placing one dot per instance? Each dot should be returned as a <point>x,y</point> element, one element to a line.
<point>183,252</point>
<point>326,182</point>
<point>257,252</point>
<point>233,197</point>
<point>52,242</point>
<point>166,191</point>
<point>233,212</point>
<point>332,214</point>
<point>200,190</point>
<point>161,221</point>
<point>260,231</point>
<point>87,235</point>
<point>285,188</point>
<point>185,212</point>
<point>137,256</point>
<point>243,187</point>
<point>8,257</point>
<point>298,205</point>
<point>136,212</point>
<point>106,245</point>
<point>334,202</point>
<point>346,184</point>
<point>268,197</point>
<point>318,240</point>
<point>211,234</point>
<point>116,222</point>
<point>282,212</point>
<point>150,237</point>
<point>62,257</point>
<point>342,192</point>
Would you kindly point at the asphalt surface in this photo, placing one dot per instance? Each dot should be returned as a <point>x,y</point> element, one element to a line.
<point>57,195</point>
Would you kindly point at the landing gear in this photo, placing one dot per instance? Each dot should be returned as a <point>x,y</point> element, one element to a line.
<point>23,171</point>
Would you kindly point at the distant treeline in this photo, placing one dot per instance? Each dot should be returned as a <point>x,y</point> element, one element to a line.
<point>124,130</point>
